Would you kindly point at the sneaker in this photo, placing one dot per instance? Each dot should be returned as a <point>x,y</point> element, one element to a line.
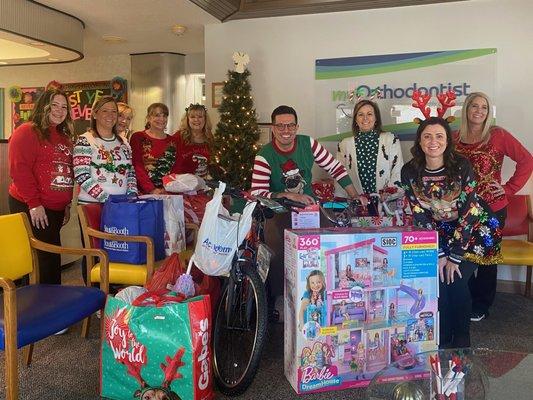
<point>477,316</point>
<point>61,332</point>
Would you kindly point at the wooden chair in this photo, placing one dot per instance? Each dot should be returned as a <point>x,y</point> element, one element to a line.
<point>34,312</point>
<point>519,252</point>
<point>119,273</point>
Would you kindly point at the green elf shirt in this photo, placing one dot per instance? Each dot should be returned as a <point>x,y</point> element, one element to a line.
<point>278,171</point>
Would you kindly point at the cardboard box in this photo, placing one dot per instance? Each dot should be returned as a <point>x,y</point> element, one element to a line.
<point>356,300</point>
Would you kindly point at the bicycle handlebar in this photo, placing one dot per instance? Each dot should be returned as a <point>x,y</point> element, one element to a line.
<point>271,203</point>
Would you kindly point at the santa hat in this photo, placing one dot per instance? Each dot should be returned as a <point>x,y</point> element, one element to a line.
<point>290,168</point>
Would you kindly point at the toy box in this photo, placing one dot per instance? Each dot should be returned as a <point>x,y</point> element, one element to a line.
<point>356,300</point>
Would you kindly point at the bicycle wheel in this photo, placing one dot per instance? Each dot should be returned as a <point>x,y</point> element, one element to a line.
<point>240,332</point>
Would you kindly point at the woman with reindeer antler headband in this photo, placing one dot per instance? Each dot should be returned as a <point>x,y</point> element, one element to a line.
<point>194,141</point>
<point>440,185</point>
<point>373,158</point>
<point>486,145</point>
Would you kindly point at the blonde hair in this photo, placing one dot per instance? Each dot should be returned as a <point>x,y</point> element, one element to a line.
<point>487,125</point>
<point>123,107</point>
<point>185,129</point>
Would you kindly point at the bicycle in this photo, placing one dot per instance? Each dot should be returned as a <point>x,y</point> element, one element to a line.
<point>343,212</point>
<point>240,325</point>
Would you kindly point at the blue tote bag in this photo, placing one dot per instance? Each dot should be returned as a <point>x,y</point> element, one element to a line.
<point>132,216</point>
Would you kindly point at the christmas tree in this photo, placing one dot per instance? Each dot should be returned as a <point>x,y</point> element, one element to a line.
<point>236,135</point>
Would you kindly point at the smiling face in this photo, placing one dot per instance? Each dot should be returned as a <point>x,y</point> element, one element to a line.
<point>158,120</point>
<point>478,111</point>
<point>196,119</point>
<point>284,129</point>
<point>124,120</point>
<point>433,142</point>
<point>365,118</point>
<point>315,283</point>
<point>58,110</point>
<point>106,117</point>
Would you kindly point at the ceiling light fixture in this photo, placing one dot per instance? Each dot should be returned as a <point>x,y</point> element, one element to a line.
<point>36,44</point>
<point>113,39</point>
<point>179,30</point>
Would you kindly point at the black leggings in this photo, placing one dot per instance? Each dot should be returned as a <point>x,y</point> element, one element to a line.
<point>455,307</point>
<point>49,263</point>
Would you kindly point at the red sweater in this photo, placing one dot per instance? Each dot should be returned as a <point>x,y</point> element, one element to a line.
<point>152,159</point>
<point>487,159</point>
<point>192,158</point>
<point>41,171</point>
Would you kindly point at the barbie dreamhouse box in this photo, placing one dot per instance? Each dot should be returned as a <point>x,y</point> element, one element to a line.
<point>357,300</point>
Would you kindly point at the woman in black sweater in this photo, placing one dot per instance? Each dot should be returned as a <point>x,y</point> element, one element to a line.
<point>440,186</point>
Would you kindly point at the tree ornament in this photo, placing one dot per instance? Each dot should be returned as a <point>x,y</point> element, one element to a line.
<point>240,60</point>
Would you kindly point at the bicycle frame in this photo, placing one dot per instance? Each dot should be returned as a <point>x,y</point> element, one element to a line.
<point>246,253</point>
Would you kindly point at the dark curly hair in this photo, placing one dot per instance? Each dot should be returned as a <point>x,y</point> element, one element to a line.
<point>450,156</point>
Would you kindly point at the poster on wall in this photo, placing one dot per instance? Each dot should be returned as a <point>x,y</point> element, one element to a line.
<point>392,78</point>
<point>82,95</point>
<point>22,103</point>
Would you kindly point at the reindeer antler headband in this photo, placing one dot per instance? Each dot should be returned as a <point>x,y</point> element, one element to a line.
<point>420,101</point>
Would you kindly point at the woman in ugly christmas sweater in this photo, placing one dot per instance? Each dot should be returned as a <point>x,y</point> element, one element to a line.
<point>154,152</point>
<point>40,166</point>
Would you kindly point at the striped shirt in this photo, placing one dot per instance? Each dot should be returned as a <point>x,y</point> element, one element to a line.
<point>277,171</point>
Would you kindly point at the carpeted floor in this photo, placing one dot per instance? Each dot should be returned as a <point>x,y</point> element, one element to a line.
<point>67,366</point>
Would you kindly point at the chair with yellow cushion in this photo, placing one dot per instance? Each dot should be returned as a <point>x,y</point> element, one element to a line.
<point>519,221</point>
<point>119,273</point>
<point>33,312</point>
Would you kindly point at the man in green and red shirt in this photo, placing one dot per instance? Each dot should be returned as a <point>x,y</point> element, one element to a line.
<point>283,168</point>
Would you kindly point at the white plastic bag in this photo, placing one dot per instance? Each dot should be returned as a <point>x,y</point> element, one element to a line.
<point>173,212</point>
<point>180,183</point>
<point>220,235</point>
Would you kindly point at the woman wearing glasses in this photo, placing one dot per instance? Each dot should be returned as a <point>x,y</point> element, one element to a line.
<point>373,158</point>
<point>193,141</point>
<point>40,166</point>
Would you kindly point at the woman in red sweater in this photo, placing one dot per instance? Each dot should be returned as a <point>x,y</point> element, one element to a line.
<point>486,146</point>
<point>194,141</point>
<point>153,151</point>
<point>40,166</point>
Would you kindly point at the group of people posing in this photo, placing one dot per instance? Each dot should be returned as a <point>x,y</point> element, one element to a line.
<point>453,184</point>
<point>45,161</point>
<point>453,181</point>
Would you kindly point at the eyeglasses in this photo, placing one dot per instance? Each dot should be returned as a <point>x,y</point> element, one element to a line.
<point>282,127</point>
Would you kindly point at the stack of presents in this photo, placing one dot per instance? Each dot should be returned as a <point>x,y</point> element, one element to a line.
<point>357,300</point>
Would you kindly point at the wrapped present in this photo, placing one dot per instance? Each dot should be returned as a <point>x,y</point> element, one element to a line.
<point>324,190</point>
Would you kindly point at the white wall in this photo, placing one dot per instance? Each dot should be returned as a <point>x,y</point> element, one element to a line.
<point>283,52</point>
<point>86,70</point>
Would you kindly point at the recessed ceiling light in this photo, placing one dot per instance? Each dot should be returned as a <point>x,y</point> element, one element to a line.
<point>3,62</point>
<point>53,59</point>
<point>113,39</point>
<point>36,43</point>
<point>179,30</point>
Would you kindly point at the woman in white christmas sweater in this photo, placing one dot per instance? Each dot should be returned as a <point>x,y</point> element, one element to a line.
<point>373,158</point>
<point>102,157</point>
